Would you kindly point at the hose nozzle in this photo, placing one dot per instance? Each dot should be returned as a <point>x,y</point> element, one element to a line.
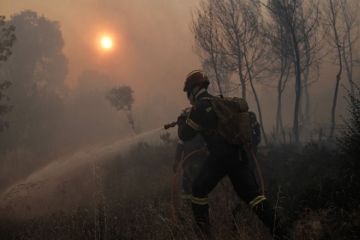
<point>170,125</point>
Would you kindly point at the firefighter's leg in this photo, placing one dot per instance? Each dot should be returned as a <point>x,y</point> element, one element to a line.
<point>266,213</point>
<point>186,184</point>
<point>243,178</point>
<point>245,184</point>
<point>210,174</point>
<point>260,205</point>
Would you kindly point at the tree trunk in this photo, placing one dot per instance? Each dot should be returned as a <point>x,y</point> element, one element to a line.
<point>279,105</point>
<point>307,98</point>
<point>333,109</point>
<point>215,66</point>
<point>338,75</point>
<point>279,130</point>
<point>348,56</point>
<point>306,113</point>
<point>337,83</point>
<point>348,67</point>
<point>297,101</point>
<point>278,109</point>
<point>297,66</point>
<point>214,60</point>
<point>256,100</point>
<point>242,80</point>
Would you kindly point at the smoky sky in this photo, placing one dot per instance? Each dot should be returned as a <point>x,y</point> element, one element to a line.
<point>154,50</point>
<point>152,38</point>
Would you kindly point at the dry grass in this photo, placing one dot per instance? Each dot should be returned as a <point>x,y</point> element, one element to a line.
<point>132,201</point>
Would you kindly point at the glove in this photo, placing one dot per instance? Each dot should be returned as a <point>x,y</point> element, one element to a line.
<point>182,119</point>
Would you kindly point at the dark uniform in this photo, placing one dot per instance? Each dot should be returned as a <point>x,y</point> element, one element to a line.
<point>224,159</point>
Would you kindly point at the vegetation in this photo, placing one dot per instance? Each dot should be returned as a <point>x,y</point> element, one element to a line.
<point>121,98</point>
<point>278,43</point>
<point>7,38</point>
<point>315,185</point>
<point>315,190</point>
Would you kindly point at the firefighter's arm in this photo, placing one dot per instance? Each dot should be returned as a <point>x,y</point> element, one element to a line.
<point>187,127</point>
<point>186,132</point>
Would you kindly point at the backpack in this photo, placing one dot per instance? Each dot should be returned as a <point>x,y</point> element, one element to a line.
<point>234,122</point>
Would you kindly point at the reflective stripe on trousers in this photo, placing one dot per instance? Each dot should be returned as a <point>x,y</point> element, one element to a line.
<point>199,201</point>
<point>256,201</point>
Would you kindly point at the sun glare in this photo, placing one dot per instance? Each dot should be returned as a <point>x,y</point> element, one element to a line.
<point>106,43</point>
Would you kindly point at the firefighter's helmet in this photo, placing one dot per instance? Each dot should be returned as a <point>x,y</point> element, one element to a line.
<point>196,78</point>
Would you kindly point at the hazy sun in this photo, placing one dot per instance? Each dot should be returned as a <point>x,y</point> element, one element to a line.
<point>106,42</point>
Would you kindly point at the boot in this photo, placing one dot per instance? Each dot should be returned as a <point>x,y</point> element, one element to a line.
<point>266,215</point>
<point>201,215</point>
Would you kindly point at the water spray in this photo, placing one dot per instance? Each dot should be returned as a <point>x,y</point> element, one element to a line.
<point>43,189</point>
<point>46,185</point>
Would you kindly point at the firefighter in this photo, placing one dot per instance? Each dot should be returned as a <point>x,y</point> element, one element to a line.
<point>224,159</point>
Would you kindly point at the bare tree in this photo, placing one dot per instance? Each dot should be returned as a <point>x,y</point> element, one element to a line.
<point>233,40</point>
<point>280,57</point>
<point>300,24</point>
<point>331,12</point>
<point>205,29</point>
<point>306,74</point>
<point>221,77</point>
<point>340,21</point>
<point>349,10</point>
<point>230,16</point>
